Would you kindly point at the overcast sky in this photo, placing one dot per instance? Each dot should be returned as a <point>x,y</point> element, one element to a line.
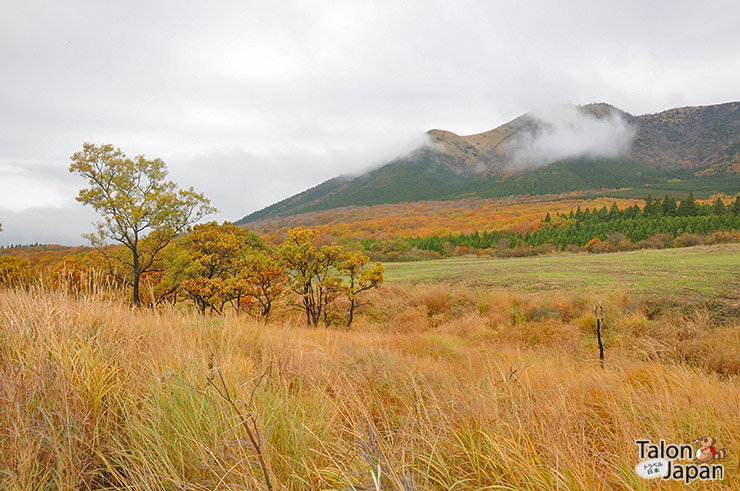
<point>250,102</point>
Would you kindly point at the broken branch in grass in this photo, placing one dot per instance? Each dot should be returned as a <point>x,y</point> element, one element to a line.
<point>247,418</point>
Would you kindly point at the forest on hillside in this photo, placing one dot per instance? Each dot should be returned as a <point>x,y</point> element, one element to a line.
<point>658,224</point>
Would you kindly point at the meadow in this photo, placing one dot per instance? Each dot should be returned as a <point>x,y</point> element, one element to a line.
<point>689,276</point>
<point>463,374</point>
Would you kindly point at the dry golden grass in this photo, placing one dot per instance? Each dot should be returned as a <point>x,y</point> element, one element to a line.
<point>436,388</point>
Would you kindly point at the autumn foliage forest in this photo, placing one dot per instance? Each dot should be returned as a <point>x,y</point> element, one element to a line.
<point>212,267</point>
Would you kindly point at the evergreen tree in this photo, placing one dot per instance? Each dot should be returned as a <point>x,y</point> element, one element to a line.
<point>668,206</point>
<point>736,206</point>
<point>719,207</point>
<point>704,209</point>
<point>614,211</point>
<point>648,209</point>
<point>688,207</point>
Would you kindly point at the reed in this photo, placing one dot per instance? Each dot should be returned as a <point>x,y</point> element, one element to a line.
<point>485,390</point>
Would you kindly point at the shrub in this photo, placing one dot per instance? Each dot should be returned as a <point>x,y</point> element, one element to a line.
<point>688,240</point>
<point>657,241</point>
<point>602,246</point>
<point>616,237</point>
<point>591,244</point>
<point>720,238</point>
<point>16,272</point>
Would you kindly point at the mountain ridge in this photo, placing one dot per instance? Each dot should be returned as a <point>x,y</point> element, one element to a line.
<point>692,142</point>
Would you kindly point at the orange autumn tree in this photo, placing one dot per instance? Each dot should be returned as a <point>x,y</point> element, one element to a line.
<point>70,275</point>
<point>218,264</point>
<point>261,279</point>
<point>310,270</point>
<point>16,272</point>
<point>210,259</point>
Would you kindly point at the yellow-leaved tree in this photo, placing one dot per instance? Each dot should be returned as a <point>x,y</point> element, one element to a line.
<point>139,208</point>
<point>360,278</point>
<point>310,270</point>
<point>318,274</point>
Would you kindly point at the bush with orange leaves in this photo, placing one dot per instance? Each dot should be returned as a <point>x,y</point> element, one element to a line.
<point>592,244</point>
<point>16,272</point>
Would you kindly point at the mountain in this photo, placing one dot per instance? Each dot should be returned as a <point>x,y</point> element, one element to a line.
<point>558,150</point>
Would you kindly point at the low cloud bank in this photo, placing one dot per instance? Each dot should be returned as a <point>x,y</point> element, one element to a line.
<point>564,132</point>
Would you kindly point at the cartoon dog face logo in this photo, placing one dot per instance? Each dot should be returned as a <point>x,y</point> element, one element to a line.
<point>706,453</point>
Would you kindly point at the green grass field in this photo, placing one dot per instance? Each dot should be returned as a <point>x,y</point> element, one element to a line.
<point>707,275</point>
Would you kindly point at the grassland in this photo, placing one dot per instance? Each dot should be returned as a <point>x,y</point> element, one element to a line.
<point>692,276</point>
<point>441,385</point>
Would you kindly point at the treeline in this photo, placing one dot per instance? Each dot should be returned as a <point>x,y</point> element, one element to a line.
<point>215,267</point>
<point>658,224</point>
<point>20,246</point>
<point>634,225</point>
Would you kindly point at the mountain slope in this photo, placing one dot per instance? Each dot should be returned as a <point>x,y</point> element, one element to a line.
<point>301,200</point>
<point>687,137</point>
<point>530,155</point>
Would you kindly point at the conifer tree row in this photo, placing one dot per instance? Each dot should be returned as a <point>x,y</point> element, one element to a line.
<point>666,217</point>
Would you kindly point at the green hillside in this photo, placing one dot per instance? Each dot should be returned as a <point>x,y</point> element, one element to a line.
<point>574,175</point>
<point>397,182</point>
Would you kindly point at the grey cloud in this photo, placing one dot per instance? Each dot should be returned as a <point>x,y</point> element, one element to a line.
<point>48,225</point>
<point>563,132</point>
<point>37,204</point>
<point>27,185</point>
<point>240,182</point>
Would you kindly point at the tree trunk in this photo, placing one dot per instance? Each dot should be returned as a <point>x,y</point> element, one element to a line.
<point>137,275</point>
<point>307,303</point>
<point>351,312</point>
<point>307,308</point>
<point>351,298</point>
<point>266,310</point>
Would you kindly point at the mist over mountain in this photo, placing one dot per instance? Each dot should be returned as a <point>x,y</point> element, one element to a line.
<point>539,138</point>
<point>566,132</point>
<point>549,150</point>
